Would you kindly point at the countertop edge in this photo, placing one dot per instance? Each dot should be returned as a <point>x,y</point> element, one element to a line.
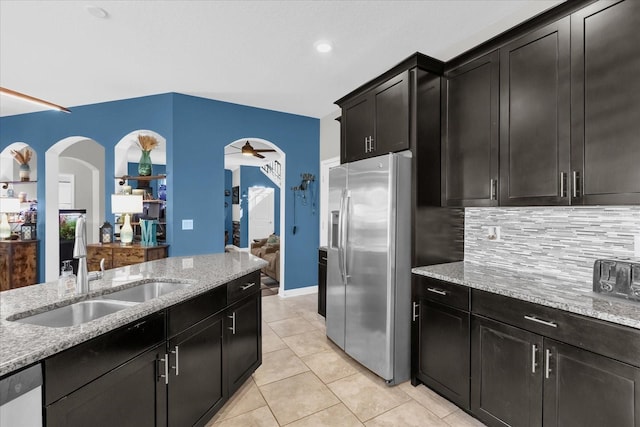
<point>549,302</point>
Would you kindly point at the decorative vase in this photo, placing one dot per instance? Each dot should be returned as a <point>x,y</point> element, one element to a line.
<point>25,171</point>
<point>145,166</point>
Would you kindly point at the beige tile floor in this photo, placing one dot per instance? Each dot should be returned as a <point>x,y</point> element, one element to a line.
<point>306,381</point>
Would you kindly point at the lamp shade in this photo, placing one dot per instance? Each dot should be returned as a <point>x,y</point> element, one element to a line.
<point>124,203</point>
<point>9,205</point>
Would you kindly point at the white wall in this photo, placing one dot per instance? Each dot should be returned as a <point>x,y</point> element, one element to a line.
<point>330,136</point>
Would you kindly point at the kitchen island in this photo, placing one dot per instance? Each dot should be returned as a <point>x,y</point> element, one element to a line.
<point>175,358</point>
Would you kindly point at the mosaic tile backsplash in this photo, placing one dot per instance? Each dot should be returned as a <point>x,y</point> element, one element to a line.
<point>562,242</point>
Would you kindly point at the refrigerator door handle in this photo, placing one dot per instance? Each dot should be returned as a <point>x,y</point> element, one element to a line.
<point>345,234</point>
<point>340,237</point>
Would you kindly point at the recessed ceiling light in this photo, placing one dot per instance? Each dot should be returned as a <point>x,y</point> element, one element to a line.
<point>323,46</point>
<point>97,12</point>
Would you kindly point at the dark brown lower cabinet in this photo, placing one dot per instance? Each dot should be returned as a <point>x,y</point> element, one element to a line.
<point>520,378</point>
<point>443,362</point>
<point>440,338</point>
<point>133,394</point>
<point>585,389</point>
<point>195,372</point>
<point>506,385</point>
<point>243,345</point>
<point>322,282</point>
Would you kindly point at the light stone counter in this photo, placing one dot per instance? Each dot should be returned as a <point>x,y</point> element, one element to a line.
<point>23,344</point>
<point>550,291</point>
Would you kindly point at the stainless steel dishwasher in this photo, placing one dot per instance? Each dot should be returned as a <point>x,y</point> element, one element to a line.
<point>21,398</point>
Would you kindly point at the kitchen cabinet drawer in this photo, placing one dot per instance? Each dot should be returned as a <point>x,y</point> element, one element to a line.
<point>615,341</point>
<point>192,311</point>
<point>242,287</point>
<point>447,293</point>
<point>75,367</point>
<point>131,395</point>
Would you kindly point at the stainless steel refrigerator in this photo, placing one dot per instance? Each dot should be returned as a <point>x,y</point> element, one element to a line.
<point>369,263</point>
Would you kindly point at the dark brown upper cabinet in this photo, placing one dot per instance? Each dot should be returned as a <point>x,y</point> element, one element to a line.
<point>470,95</point>
<point>535,117</point>
<point>605,104</point>
<point>377,122</point>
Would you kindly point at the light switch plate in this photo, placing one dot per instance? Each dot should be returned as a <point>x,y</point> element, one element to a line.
<point>187,224</point>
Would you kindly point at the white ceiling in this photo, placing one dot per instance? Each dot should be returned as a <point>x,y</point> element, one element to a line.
<point>257,53</point>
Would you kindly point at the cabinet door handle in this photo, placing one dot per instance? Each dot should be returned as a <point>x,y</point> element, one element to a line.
<point>233,323</point>
<point>324,258</point>
<point>366,144</point>
<point>247,286</point>
<point>165,361</point>
<point>542,322</point>
<point>547,360</point>
<point>372,145</point>
<point>437,291</point>
<point>574,188</point>
<point>493,191</point>
<point>563,184</point>
<point>415,313</point>
<point>534,364</point>
<point>177,367</point>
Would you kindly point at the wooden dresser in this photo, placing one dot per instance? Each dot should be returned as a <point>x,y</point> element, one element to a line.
<point>116,255</point>
<point>18,263</point>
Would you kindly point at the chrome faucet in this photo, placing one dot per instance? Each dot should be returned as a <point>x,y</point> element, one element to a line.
<point>80,253</point>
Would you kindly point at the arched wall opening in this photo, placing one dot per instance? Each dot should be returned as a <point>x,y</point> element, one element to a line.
<point>281,157</point>
<point>87,154</point>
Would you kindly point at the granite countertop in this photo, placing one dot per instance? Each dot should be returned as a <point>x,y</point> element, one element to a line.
<point>23,344</point>
<point>575,297</point>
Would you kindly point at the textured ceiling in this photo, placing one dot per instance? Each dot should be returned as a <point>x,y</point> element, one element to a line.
<point>257,53</point>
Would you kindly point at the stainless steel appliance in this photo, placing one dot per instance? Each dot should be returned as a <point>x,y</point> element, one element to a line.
<point>617,277</point>
<point>21,398</point>
<point>369,263</point>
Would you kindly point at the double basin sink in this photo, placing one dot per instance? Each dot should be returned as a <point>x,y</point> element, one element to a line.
<point>86,311</point>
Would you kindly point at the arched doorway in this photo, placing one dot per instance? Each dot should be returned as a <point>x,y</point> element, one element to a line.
<point>88,156</point>
<point>234,158</point>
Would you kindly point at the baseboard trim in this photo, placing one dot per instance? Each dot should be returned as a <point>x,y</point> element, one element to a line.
<point>298,291</point>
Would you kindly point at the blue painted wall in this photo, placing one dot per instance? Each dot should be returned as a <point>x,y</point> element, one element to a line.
<point>251,176</point>
<point>196,131</point>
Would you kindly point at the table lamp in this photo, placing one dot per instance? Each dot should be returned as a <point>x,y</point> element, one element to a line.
<point>126,204</point>
<point>7,205</point>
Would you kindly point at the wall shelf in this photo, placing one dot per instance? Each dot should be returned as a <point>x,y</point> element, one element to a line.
<point>5,184</point>
<point>124,178</point>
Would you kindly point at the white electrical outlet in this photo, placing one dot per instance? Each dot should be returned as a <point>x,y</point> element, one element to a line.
<point>636,245</point>
<point>493,233</point>
<point>187,224</point>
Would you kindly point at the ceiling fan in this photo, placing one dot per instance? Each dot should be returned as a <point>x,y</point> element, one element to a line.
<point>248,150</point>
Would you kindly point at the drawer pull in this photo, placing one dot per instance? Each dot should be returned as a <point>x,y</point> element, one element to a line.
<point>542,322</point>
<point>166,368</point>
<point>437,291</point>
<point>324,258</point>
<point>547,360</point>
<point>415,313</point>
<point>177,367</point>
<point>534,364</point>
<point>247,286</point>
<point>233,323</point>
